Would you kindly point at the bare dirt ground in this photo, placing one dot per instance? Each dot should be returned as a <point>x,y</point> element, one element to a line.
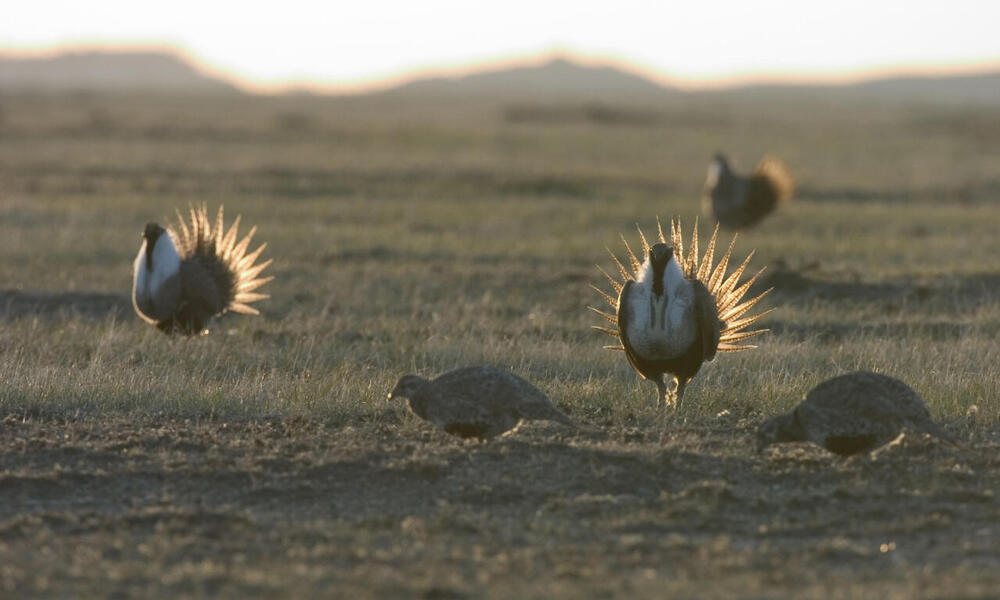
<point>298,508</point>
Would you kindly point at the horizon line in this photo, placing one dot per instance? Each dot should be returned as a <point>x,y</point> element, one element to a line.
<point>459,69</point>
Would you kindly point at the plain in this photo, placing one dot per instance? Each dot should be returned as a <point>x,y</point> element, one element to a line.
<point>416,236</point>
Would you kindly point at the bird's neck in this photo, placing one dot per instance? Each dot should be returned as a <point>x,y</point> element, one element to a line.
<point>418,404</point>
<point>658,272</point>
<point>662,278</point>
<point>790,428</point>
<point>420,399</point>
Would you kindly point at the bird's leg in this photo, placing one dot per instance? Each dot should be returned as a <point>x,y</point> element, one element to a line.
<point>669,395</point>
<point>662,393</point>
<point>679,391</point>
<point>877,452</point>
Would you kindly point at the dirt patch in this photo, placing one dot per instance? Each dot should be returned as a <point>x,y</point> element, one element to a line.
<point>298,508</point>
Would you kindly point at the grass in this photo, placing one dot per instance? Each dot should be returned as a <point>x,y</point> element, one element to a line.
<point>265,459</point>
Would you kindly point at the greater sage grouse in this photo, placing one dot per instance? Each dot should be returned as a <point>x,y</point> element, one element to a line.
<point>672,313</point>
<point>477,402</point>
<point>852,413</point>
<point>738,202</point>
<point>185,277</point>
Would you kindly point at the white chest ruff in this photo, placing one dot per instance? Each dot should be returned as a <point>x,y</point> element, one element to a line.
<point>166,263</point>
<point>661,327</point>
<point>712,177</point>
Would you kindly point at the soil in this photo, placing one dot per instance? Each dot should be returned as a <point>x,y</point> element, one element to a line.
<point>161,506</point>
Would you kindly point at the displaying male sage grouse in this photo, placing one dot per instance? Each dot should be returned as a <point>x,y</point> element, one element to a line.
<point>672,313</point>
<point>852,413</point>
<point>477,402</point>
<point>181,280</point>
<point>739,202</point>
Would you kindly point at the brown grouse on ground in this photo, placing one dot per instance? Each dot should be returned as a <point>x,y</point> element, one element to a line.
<point>851,414</point>
<point>477,402</point>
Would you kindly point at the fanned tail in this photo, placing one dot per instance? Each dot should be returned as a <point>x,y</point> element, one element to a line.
<point>768,188</point>
<point>774,172</point>
<point>224,255</point>
<point>728,290</point>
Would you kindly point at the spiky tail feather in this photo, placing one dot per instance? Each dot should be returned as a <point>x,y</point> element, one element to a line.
<point>728,291</point>
<point>219,252</point>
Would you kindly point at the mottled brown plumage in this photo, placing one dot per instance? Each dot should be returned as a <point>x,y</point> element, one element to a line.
<point>477,402</point>
<point>853,413</point>
<point>740,202</point>
<point>674,311</point>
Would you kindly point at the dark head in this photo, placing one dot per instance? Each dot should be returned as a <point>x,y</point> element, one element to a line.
<point>659,256</point>
<point>721,160</point>
<point>151,233</point>
<point>407,386</point>
<point>783,428</point>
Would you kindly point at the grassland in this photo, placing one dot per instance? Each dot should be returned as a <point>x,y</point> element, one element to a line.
<point>265,460</point>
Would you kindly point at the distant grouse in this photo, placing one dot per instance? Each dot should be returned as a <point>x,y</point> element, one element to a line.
<point>852,413</point>
<point>672,313</point>
<point>477,402</point>
<point>738,202</point>
<point>181,280</point>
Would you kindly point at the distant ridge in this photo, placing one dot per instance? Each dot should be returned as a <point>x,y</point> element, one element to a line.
<point>565,78</point>
<point>107,71</point>
<point>980,88</point>
<point>559,78</point>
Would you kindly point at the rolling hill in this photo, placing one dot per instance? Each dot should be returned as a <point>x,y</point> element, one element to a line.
<point>104,71</point>
<point>559,79</point>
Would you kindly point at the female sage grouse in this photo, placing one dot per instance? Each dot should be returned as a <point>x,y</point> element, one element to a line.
<point>477,402</point>
<point>852,413</point>
<point>738,202</point>
<point>673,313</point>
<point>181,280</point>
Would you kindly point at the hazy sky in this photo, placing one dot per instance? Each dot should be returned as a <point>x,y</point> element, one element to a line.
<point>351,43</point>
